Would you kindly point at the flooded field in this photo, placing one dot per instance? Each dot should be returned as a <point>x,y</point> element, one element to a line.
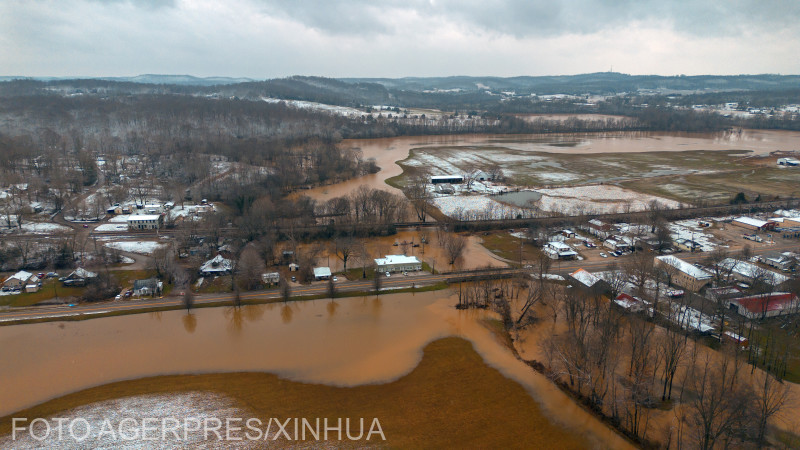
<point>450,152</point>
<point>475,255</point>
<point>348,343</point>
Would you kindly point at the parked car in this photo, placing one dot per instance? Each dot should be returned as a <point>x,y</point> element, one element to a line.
<point>335,279</point>
<point>40,275</point>
<point>387,275</point>
<point>294,279</point>
<point>52,275</point>
<point>118,297</point>
<point>603,255</point>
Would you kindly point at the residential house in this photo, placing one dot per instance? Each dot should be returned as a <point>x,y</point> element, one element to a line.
<point>322,273</point>
<point>779,260</point>
<point>398,263</point>
<point>599,228</point>
<point>618,243</point>
<point>17,281</point>
<point>78,277</point>
<point>150,286</point>
<point>559,250</point>
<point>684,274</point>
<point>271,278</point>
<point>218,265</point>
<point>631,303</point>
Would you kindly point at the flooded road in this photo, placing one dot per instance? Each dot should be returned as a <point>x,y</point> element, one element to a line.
<point>347,343</point>
<point>388,151</point>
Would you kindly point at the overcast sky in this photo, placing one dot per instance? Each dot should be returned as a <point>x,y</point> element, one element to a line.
<point>395,38</point>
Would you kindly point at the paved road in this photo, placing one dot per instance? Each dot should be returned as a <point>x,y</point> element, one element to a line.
<point>396,282</point>
<point>388,284</point>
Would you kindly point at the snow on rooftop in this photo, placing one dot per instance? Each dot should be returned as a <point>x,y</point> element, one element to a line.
<point>750,270</point>
<point>685,267</point>
<point>584,277</point>
<point>396,259</point>
<point>21,276</point>
<point>216,264</point>
<point>750,221</point>
<point>322,272</point>
<point>146,217</point>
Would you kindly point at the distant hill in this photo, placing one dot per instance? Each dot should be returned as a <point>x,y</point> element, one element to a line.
<point>180,80</point>
<point>591,83</point>
<point>497,94</point>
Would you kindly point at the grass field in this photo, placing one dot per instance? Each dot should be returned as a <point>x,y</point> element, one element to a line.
<point>684,176</point>
<point>451,399</point>
<point>53,288</point>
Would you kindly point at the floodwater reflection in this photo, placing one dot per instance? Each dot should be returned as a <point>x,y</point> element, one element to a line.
<point>367,340</point>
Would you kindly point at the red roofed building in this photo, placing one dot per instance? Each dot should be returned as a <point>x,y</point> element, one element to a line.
<point>765,305</point>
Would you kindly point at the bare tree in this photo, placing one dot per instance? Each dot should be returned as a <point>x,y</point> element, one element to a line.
<point>286,290</point>
<point>721,401</point>
<point>453,245</point>
<point>250,268</point>
<point>188,298</point>
<point>417,193</point>
<point>344,247</point>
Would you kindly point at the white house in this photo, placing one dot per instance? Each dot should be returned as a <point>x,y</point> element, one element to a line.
<point>559,250</point>
<point>398,263</point>
<point>271,277</point>
<point>322,273</point>
<point>618,243</point>
<point>18,280</point>
<point>145,221</point>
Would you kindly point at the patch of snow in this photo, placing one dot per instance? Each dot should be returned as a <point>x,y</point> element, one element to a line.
<point>141,247</point>
<point>41,228</point>
<point>111,227</point>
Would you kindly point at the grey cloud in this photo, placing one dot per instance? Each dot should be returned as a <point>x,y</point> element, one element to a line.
<point>538,18</point>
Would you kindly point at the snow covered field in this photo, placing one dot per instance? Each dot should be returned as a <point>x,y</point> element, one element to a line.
<point>474,207</point>
<point>141,247</point>
<point>299,104</point>
<point>33,227</point>
<point>597,199</point>
<point>112,227</point>
<point>567,200</point>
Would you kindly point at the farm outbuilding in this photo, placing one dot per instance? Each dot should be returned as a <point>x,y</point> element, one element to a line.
<point>753,224</point>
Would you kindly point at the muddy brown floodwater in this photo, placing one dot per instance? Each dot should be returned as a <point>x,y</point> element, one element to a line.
<point>352,342</point>
<point>388,151</point>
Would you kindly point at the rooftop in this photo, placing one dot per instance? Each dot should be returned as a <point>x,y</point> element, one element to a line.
<point>750,221</point>
<point>322,272</point>
<point>685,267</point>
<point>751,270</point>
<point>767,302</point>
<point>585,277</point>
<point>143,217</point>
<point>396,259</point>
